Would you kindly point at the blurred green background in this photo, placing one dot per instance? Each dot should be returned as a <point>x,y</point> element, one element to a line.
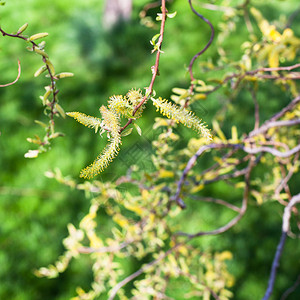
<point>34,210</point>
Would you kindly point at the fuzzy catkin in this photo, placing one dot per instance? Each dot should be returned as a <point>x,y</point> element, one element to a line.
<point>181,115</point>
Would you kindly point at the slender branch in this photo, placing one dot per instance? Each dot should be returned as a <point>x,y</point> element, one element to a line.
<point>154,69</point>
<point>18,76</point>
<point>286,109</point>
<point>218,201</point>
<point>241,76</point>
<point>285,229</point>
<point>269,125</point>
<point>272,151</point>
<point>291,289</point>
<point>285,180</point>
<point>235,174</point>
<point>54,90</point>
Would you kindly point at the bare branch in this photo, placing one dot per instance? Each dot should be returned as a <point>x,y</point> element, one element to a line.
<point>218,201</point>
<point>18,76</point>
<point>291,289</point>
<point>234,220</point>
<point>235,174</point>
<point>287,177</point>
<point>285,229</point>
<point>273,124</point>
<point>272,151</point>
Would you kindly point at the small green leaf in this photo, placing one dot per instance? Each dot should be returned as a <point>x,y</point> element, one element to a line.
<point>172,15</point>
<point>40,71</point>
<point>40,123</point>
<point>138,129</point>
<point>60,110</point>
<point>51,67</point>
<point>64,75</point>
<point>40,52</point>
<point>38,36</point>
<point>154,39</point>
<point>47,94</point>
<point>126,132</point>
<point>22,28</point>
<point>56,135</point>
<point>159,17</point>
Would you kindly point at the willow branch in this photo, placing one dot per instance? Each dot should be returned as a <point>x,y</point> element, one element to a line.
<point>286,179</point>
<point>18,76</point>
<point>266,125</point>
<point>53,79</point>
<point>154,69</point>
<point>285,229</point>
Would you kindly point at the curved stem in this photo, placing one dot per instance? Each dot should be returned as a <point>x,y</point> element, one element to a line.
<point>285,228</point>
<point>18,76</point>
<point>204,49</point>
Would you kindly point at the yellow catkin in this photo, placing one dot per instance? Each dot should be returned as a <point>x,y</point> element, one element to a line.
<point>111,122</point>
<point>182,115</point>
<point>89,121</point>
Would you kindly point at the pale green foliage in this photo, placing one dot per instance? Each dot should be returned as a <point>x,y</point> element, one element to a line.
<point>143,235</point>
<point>181,115</point>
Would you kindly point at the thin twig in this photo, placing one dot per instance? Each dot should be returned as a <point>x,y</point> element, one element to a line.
<point>285,229</point>
<point>235,174</point>
<point>269,125</point>
<point>285,180</point>
<point>218,201</point>
<point>205,47</point>
<point>291,289</point>
<point>18,76</point>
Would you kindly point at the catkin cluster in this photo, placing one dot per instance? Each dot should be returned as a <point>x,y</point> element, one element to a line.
<point>124,106</point>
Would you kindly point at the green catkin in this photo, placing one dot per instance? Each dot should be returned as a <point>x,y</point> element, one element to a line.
<point>182,115</point>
